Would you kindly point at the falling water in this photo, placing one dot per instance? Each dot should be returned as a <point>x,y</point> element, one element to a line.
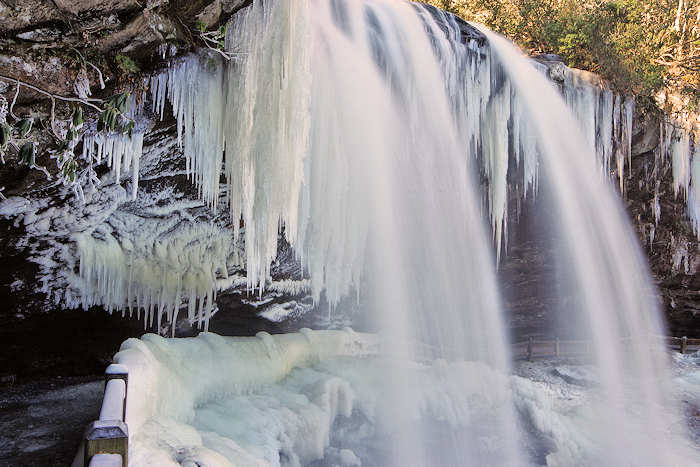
<point>384,135</point>
<point>609,277</point>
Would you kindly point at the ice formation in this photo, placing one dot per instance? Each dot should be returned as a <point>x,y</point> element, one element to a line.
<point>158,271</point>
<point>316,396</point>
<point>276,164</point>
<point>605,118</point>
<point>678,144</point>
<point>694,191</point>
<point>196,93</point>
<point>270,167</point>
<point>386,139</point>
<point>680,150</point>
<point>121,151</point>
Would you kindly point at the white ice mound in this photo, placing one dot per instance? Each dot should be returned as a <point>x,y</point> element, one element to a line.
<point>324,398</point>
<point>172,377</point>
<point>291,399</point>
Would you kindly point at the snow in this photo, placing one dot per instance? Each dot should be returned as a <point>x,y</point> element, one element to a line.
<point>113,403</point>
<point>13,206</point>
<point>278,313</point>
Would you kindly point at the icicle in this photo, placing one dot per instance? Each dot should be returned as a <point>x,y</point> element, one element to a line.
<point>656,205</point>
<point>680,159</point>
<point>151,273</point>
<point>120,150</point>
<point>627,122</point>
<point>694,192</point>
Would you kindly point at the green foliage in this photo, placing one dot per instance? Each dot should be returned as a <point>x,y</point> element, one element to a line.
<point>201,26</point>
<point>113,116</point>
<point>127,65</point>
<point>4,136</point>
<point>215,39</point>
<point>27,154</point>
<point>24,127</point>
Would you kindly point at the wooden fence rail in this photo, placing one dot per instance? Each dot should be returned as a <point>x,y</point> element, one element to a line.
<point>533,348</point>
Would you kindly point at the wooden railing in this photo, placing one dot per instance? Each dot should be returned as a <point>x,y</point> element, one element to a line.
<point>538,348</point>
<point>106,441</point>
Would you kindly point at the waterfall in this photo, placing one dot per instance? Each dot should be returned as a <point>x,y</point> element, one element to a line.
<point>385,137</point>
<point>612,284</point>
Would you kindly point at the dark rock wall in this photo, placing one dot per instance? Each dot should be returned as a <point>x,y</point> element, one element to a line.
<point>674,253</point>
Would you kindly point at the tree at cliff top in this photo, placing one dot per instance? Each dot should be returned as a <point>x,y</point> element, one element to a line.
<point>640,46</point>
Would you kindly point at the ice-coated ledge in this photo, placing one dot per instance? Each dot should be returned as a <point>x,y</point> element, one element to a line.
<point>171,377</point>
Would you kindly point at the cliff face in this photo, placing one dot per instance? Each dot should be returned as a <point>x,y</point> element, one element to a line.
<point>660,213</point>
<point>44,222</point>
<point>654,181</point>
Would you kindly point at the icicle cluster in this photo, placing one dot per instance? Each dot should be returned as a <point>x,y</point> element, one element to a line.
<point>284,148</point>
<point>694,191</point>
<point>675,143</point>
<point>298,126</point>
<point>606,121</point>
<point>158,274</point>
<point>121,151</point>
<point>196,93</point>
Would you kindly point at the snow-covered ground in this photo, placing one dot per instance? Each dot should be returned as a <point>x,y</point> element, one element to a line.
<point>320,398</point>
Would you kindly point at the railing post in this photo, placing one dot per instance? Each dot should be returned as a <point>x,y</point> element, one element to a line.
<point>684,344</point>
<point>117,371</point>
<point>110,434</point>
<point>529,349</point>
<point>107,437</point>
<point>556,347</point>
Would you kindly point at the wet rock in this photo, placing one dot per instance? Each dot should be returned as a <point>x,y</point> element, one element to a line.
<point>95,7</point>
<point>40,35</point>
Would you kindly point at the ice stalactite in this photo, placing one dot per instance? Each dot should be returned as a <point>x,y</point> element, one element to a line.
<point>606,120</point>
<point>196,92</point>
<point>680,152</point>
<point>680,146</point>
<point>158,271</point>
<point>494,141</point>
<point>694,191</point>
<point>272,175</point>
<point>121,151</point>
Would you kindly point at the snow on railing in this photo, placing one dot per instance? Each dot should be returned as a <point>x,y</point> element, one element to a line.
<point>165,381</point>
<point>152,368</point>
<point>106,442</point>
<point>106,460</point>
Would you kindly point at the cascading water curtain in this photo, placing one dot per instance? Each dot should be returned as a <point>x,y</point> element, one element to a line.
<point>365,128</point>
